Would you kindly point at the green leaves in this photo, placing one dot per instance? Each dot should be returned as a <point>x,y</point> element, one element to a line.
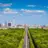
<point>40,37</point>
<point>10,38</point>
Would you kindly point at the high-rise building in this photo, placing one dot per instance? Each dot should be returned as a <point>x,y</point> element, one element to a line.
<point>9,24</point>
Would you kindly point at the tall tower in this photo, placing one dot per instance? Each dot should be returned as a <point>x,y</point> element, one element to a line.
<point>14,21</point>
<point>5,24</point>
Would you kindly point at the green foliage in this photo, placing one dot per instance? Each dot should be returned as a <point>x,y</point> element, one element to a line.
<point>40,37</point>
<point>31,45</point>
<point>21,43</point>
<point>10,38</point>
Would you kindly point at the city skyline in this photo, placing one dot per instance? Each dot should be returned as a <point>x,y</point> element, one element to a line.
<point>24,11</point>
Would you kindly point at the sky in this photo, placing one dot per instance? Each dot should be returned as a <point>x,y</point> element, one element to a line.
<point>24,11</point>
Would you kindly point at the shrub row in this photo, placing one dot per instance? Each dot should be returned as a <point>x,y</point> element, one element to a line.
<point>31,45</point>
<point>40,37</point>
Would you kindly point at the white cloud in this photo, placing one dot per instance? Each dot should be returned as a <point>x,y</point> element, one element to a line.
<point>45,6</point>
<point>32,11</point>
<point>31,5</point>
<point>9,11</point>
<point>22,12</point>
<point>4,5</point>
<point>39,11</point>
<point>22,9</point>
<point>25,10</point>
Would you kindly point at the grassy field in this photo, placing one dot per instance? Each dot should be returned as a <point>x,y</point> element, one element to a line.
<point>11,38</point>
<point>39,37</point>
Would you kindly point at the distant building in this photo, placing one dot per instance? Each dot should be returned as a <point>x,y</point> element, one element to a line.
<point>19,26</point>
<point>45,27</point>
<point>9,24</point>
<point>5,25</point>
<point>0,25</point>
